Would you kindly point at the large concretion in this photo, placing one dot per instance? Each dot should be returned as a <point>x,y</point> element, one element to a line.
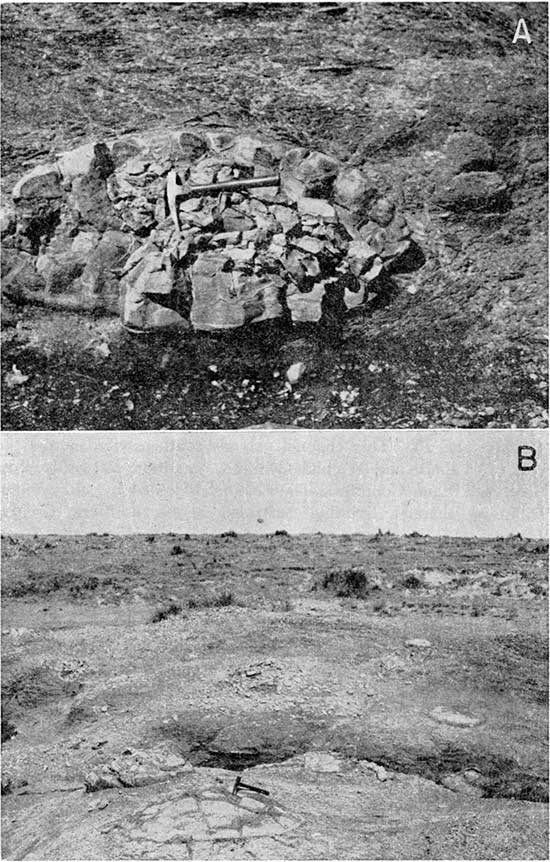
<point>95,230</point>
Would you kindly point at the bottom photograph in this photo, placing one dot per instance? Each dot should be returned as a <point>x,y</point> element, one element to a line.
<point>275,645</point>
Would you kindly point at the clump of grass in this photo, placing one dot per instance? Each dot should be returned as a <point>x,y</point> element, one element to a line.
<point>176,550</point>
<point>230,534</point>
<point>223,600</point>
<point>411,582</point>
<point>171,610</point>
<point>347,583</point>
<point>8,728</point>
<point>280,533</point>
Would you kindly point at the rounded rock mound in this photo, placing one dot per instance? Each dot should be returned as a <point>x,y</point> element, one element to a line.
<point>175,229</point>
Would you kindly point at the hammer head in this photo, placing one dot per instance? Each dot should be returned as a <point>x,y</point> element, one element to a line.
<point>173,188</point>
<point>236,785</point>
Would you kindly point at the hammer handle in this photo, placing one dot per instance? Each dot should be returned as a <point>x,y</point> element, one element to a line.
<point>229,186</point>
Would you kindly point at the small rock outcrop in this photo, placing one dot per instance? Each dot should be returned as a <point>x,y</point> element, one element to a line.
<point>97,230</point>
<point>469,181</point>
<point>135,768</point>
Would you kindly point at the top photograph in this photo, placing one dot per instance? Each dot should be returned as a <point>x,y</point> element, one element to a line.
<point>261,215</point>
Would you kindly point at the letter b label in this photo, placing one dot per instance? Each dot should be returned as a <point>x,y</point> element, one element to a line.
<point>527,458</point>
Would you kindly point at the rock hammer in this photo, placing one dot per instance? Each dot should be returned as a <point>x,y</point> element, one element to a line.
<point>175,190</point>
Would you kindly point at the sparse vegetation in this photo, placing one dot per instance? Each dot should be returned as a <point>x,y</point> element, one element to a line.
<point>411,582</point>
<point>347,583</point>
<point>222,600</point>
<point>8,728</point>
<point>230,689</point>
<point>171,610</point>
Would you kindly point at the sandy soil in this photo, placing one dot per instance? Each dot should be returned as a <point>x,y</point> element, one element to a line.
<point>379,85</point>
<point>389,693</point>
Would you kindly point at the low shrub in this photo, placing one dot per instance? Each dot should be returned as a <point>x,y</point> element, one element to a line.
<point>171,610</point>
<point>223,600</point>
<point>347,583</point>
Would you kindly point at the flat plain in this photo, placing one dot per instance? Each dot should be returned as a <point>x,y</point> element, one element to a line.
<point>390,694</point>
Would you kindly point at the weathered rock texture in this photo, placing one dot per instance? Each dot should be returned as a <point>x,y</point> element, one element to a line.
<point>94,231</point>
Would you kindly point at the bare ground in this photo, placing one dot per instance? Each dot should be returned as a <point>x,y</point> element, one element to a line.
<point>378,85</point>
<point>314,666</point>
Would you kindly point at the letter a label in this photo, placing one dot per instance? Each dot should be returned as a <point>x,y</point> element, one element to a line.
<point>522,33</point>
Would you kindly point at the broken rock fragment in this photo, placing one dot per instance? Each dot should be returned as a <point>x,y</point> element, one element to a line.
<point>477,190</point>
<point>86,160</point>
<point>354,193</point>
<point>42,183</point>
<point>317,172</point>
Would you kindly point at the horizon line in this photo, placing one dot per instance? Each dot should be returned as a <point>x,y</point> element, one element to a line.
<point>279,533</point>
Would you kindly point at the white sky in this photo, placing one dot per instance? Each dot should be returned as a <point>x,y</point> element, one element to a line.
<point>436,482</point>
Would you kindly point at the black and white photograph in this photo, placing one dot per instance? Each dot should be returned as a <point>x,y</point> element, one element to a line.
<point>274,430</point>
<point>213,651</point>
<point>312,215</point>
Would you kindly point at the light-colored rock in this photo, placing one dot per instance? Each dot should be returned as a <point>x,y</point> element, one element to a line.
<point>228,299</point>
<point>243,152</point>
<point>309,244</point>
<point>100,279</point>
<point>15,377</point>
<point>316,207</point>
<point>219,142</point>
<point>382,212</point>
<point>378,769</point>
<point>286,216</point>
<point>134,166</point>
<point>305,307</point>
<point>19,276</point>
<point>455,719</point>
<point>418,643</point>
<point>84,243</point>
<point>136,768</point>
<point>60,270</point>
<point>8,219</point>
<point>86,160</point>
<point>123,149</point>
<point>354,192</point>
<point>155,273</point>
<point>317,172</point>
<point>360,256</point>
<point>458,784</point>
<point>295,372</point>
<point>322,761</point>
<point>43,182</point>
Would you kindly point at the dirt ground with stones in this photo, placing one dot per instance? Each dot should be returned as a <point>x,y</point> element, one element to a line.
<point>389,693</point>
<point>378,87</point>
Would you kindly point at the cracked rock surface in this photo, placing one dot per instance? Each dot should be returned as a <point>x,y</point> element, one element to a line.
<point>139,684</point>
